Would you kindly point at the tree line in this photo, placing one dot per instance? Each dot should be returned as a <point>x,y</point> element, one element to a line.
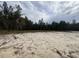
<point>10,19</point>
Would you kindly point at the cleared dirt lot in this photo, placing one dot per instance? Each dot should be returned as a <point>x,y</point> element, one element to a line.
<point>40,44</point>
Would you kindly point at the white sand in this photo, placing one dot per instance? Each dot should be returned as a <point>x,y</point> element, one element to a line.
<point>40,44</point>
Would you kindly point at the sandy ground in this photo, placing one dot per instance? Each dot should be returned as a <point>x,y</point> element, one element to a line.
<point>40,44</point>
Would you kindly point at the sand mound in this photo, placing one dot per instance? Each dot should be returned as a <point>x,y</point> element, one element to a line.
<point>40,44</point>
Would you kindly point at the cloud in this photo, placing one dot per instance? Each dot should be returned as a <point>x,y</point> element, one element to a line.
<point>49,10</point>
<point>34,11</point>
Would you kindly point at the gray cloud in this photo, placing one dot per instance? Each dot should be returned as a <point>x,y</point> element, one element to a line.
<point>49,10</point>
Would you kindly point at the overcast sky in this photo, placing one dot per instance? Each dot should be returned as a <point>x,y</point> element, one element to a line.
<point>49,10</point>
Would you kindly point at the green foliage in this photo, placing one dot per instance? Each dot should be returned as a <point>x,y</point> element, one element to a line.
<point>11,19</point>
